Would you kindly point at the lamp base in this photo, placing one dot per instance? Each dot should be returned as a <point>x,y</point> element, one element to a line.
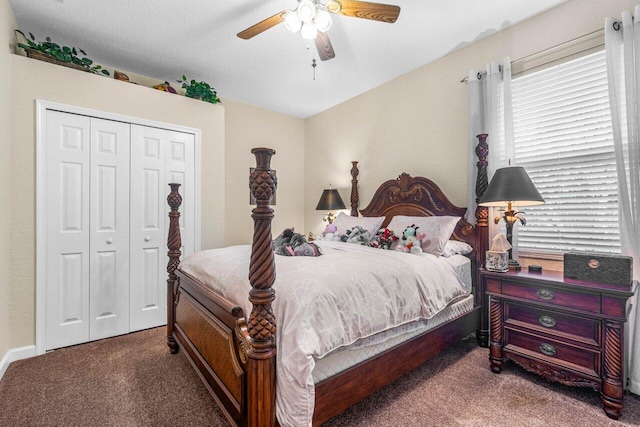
<point>514,265</point>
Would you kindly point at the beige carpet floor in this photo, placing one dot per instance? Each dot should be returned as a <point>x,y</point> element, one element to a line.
<point>132,380</point>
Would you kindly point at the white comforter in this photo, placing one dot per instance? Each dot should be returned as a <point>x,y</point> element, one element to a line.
<point>323,303</point>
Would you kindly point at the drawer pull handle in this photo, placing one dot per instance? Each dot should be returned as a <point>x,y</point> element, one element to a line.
<point>547,321</point>
<point>547,349</point>
<point>545,294</point>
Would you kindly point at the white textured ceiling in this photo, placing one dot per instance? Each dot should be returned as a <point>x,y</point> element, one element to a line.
<point>164,39</point>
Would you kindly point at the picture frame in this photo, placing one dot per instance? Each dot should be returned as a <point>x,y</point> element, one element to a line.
<point>272,200</point>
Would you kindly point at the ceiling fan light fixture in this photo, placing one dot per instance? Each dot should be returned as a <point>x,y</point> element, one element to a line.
<point>309,31</point>
<point>292,21</point>
<point>323,20</point>
<point>334,6</point>
<point>306,10</point>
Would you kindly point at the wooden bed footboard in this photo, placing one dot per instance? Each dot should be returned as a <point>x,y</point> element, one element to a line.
<point>209,328</point>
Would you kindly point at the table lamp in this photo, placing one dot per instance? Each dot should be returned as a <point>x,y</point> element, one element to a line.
<point>511,185</point>
<point>330,201</point>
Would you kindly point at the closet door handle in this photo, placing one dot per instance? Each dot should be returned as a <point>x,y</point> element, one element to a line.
<point>109,241</point>
<point>147,238</point>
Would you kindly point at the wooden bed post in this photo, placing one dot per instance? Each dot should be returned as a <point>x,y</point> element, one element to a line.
<point>174,243</point>
<point>355,199</point>
<point>482,236</point>
<point>482,212</point>
<point>261,354</point>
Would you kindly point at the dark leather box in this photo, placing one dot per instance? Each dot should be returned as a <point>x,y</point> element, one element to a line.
<point>598,267</point>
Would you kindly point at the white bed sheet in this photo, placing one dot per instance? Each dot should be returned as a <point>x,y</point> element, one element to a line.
<point>326,303</point>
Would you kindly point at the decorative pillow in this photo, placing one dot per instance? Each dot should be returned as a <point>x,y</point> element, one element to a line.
<point>346,222</point>
<point>437,228</point>
<point>456,247</point>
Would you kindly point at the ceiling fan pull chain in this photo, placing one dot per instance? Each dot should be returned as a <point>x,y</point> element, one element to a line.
<point>314,65</point>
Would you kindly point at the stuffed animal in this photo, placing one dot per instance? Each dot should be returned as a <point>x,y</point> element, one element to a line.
<point>411,240</point>
<point>357,235</point>
<point>289,243</point>
<point>384,239</point>
<point>330,233</point>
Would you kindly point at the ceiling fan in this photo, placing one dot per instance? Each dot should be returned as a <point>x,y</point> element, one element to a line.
<point>313,19</point>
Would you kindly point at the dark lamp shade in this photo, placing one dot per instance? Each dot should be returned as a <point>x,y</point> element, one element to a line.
<point>330,200</point>
<point>511,184</point>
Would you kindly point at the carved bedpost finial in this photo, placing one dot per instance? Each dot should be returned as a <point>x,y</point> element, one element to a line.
<point>482,151</point>
<point>355,199</point>
<point>174,243</point>
<point>482,212</point>
<point>261,326</point>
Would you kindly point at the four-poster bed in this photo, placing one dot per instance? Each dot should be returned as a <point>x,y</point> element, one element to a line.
<point>235,355</point>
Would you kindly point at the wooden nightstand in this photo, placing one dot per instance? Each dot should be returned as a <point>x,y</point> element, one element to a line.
<point>567,331</point>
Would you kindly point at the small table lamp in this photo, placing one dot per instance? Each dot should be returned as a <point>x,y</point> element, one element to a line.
<point>511,185</point>
<point>329,201</point>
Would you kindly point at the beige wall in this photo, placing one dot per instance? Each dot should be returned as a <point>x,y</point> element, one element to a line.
<point>7,25</point>
<point>248,127</point>
<point>418,123</point>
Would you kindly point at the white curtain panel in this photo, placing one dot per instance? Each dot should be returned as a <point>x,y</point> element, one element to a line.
<point>622,44</point>
<point>490,112</point>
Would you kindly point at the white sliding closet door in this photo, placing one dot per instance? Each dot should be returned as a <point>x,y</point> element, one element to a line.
<point>67,177</point>
<point>109,239</point>
<point>148,238</point>
<point>105,224</point>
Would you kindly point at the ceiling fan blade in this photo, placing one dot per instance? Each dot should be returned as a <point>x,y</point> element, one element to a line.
<point>263,25</point>
<point>367,10</point>
<point>324,47</point>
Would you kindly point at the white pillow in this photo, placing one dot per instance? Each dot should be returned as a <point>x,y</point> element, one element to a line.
<point>456,247</point>
<point>346,222</point>
<point>438,229</point>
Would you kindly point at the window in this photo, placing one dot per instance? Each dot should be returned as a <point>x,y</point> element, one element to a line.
<point>563,138</point>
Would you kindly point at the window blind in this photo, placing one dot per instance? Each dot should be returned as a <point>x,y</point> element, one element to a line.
<point>563,138</point>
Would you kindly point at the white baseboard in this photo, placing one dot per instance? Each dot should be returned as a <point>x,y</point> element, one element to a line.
<point>16,354</point>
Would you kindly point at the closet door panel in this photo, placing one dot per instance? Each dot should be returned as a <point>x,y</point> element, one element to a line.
<point>109,243</point>
<point>180,168</point>
<point>148,240</point>
<point>67,229</point>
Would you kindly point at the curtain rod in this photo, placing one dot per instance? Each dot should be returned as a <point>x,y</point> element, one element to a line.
<point>616,26</point>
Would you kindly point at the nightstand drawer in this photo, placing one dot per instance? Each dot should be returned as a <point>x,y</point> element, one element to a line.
<point>550,295</point>
<point>571,357</point>
<point>561,325</point>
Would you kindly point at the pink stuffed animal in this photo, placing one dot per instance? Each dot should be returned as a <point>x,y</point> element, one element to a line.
<point>331,233</point>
